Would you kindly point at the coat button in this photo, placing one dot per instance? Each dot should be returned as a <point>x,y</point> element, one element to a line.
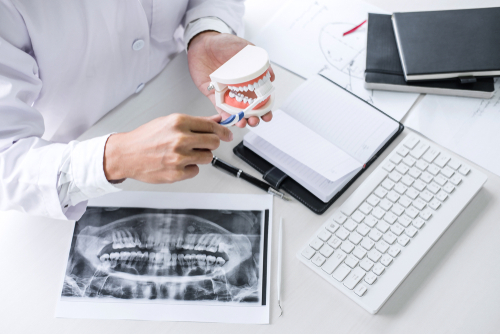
<point>139,88</point>
<point>138,44</point>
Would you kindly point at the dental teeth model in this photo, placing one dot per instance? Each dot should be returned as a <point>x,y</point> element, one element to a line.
<point>242,80</point>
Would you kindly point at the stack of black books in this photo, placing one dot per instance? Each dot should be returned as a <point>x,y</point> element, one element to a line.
<point>453,52</point>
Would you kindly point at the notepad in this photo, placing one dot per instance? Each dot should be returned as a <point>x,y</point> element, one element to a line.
<point>322,136</point>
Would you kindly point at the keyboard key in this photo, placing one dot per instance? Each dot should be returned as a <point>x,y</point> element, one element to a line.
<point>405,201</point>
<point>368,243</point>
<point>426,213</point>
<point>370,278</point>
<point>386,260</point>
<point>351,261</point>
<point>411,142</point>
<point>426,195</point>
<point>332,227</point>
<point>426,177</point>
<point>339,217</point>
<point>358,216</point>
<point>380,192</point>
<point>385,204</point>
<point>373,200</point>
<point>388,184</point>
<point>419,185</point>
<point>400,188</point>
<point>394,251</point>
<point>447,171</point>
<point>382,226</point>
<point>360,290</point>
<point>378,269</point>
<point>342,233</point>
<point>326,251</point>
<point>324,235</point>
<point>390,217</point>
<point>407,180</point>
<point>403,240</point>
<point>363,191</point>
<point>430,155</point>
<point>409,161</point>
<point>442,160</point>
<point>419,203</point>
<point>382,246</point>
<point>449,188</point>
<point>434,204</point>
<point>390,237</point>
<point>419,150</point>
<point>354,277</point>
<point>333,262</point>
<point>440,179</point>
<point>375,234</point>
<point>366,264</point>
<point>341,272</point>
<point>308,252</point>
<point>433,169</point>
<point>418,222</point>
<point>389,166</point>
<point>442,196</point>
<point>412,212</point>
<point>397,209</point>
<point>414,172</point>
<point>335,242</point>
<point>402,168</point>
<point>403,151</point>
<point>454,164</point>
<point>456,179</point>
<point>318,259</point>
<point>397,229</point>
<point>396,159</point>
<point>395,176</point>
<point>363,229</point>
<point>464,170</point>
<point>359,252</point>
<point>422,165</point>
<point>350,225</point>
<point>371,221</point>
<point>404,220</point>
<point>347,246</point>
<point>374,255</point>
<point>316,244</point>
<point>411,231</point>
<point>412,193</point>
<point>355,238</point>
<point>392,196</point>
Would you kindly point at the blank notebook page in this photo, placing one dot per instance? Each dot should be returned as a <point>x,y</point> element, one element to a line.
<point>344,120</point>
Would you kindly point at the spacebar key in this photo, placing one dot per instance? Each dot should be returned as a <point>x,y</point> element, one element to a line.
<point>363,191</point>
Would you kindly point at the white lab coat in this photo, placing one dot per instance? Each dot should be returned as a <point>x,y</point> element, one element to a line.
<point>63,65</point>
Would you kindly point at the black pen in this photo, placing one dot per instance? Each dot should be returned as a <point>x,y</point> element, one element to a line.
<point>216,162</point>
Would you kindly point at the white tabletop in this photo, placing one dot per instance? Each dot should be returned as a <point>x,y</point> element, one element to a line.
<point>454,289</point>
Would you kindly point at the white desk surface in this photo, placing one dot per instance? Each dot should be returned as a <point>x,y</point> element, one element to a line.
<point>454,289</point>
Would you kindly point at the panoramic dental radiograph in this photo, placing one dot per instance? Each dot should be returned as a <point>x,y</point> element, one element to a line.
<point>167,255</point>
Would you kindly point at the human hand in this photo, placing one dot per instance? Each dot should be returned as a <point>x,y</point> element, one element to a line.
<point>207,52</point>
<point>165,150</point>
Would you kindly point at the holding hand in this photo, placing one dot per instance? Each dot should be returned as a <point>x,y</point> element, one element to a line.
<point>165,150</point>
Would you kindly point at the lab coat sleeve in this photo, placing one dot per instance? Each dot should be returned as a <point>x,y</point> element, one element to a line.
<point>37,176</point>
<point>229,11</point>
<point>204,24</point>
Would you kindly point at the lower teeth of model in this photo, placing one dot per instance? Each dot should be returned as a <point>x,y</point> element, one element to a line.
<point>241,98</point>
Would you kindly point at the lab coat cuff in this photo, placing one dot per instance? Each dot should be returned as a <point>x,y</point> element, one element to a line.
<point>87,164</point>
<point>204,24</point>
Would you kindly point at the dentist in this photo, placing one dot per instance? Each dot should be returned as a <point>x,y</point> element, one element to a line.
<point>65,64</point>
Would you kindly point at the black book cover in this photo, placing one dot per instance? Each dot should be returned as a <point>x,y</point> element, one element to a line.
<point>383,65</point>
<point>449,43</point>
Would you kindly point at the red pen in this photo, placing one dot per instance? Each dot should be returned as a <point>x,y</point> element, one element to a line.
<point>354,29</point>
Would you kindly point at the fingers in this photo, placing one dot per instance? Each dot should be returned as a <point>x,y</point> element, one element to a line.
<point>190,171</point>
<point>197,157</point>
<point>204,125</point>
<point>272,73</point>
<point>253,121</point>
<point>267,117</point>
<point>203,141</point>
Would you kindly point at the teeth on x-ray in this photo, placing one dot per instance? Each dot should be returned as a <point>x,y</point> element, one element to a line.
<point>164,255</point>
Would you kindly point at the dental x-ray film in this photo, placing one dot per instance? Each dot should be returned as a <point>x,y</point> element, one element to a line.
<point>183,258</point>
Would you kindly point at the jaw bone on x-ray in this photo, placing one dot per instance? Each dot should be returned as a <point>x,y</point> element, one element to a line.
<point>167,255</point>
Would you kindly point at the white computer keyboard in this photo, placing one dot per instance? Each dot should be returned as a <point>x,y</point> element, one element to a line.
<point>373,241</point>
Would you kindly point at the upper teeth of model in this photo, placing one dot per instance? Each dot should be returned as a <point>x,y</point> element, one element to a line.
<point>250,87</point>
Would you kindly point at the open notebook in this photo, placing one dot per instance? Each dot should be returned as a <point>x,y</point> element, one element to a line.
<point>322,137</point>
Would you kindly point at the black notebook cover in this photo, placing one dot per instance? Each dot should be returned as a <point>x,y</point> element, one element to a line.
<point>449,43</point>
<point>384,70</point>
<point>280,180</point>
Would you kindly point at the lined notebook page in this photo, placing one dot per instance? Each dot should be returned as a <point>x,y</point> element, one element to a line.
<point>341,118</point>
<point>303,144</point>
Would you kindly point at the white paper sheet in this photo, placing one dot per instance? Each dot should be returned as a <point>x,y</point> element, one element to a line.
<point>306,38</point>
<point>304,145</point>
<point>226,216</point>
<point>468,126</point>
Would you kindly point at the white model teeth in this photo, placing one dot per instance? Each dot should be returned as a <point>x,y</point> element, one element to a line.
<point>231,94</point>
<point>245,99</point>
<point>239,98</point>
<point>250,87</point>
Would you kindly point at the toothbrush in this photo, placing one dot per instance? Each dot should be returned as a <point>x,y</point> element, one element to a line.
<point>233,119</point>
